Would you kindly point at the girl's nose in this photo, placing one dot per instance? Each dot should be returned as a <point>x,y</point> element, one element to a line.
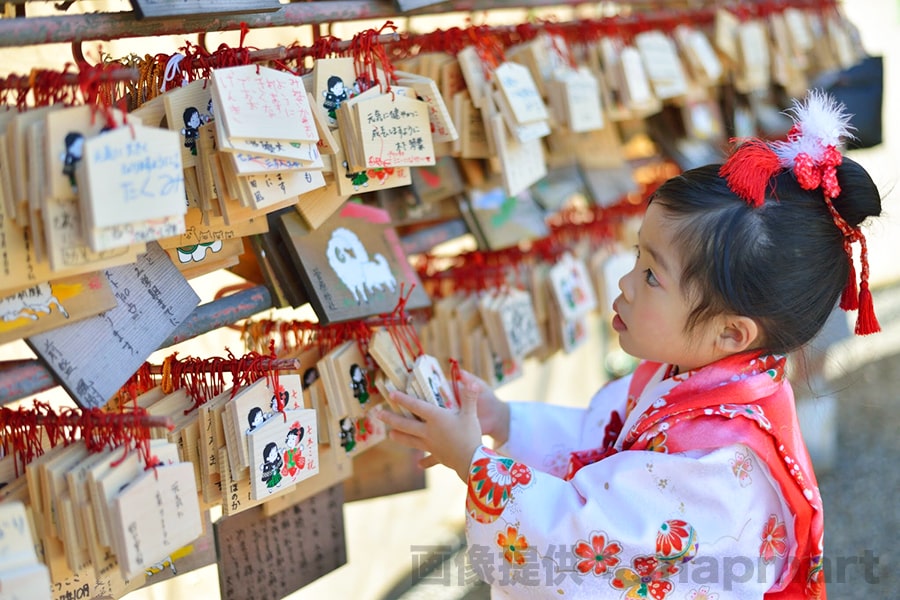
<point>625,285</point>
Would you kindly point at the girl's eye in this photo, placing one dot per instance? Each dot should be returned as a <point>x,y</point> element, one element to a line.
<point>650,278</point>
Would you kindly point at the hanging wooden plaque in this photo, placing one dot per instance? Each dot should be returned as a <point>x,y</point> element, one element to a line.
<point>155,9</point>
<point>94,357</point>
<point>270,557</point>
<point>352,266</point>
<point>48,305</point>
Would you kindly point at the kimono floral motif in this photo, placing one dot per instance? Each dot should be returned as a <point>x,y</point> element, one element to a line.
<point>658,443</point>
<point>647,579</point>
<point>491,482</point>
<point>513,545</point>
<point>750,411</point>
<point>702,593</point>
<point>741,466</point>
<point>774,540</point>
<point>598,555</point>
<point>771,364</point>
<point>676,540</point>
<point>815,580</point>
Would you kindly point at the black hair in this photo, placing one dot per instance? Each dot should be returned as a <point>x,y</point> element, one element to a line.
<point>71,138</point>
<point>298,431</point>
<point>189,112</point>
<point>333,80</point>
<point>310,376</point>
<point>269,447</point>
<point>251,416</point>
<point>782,264</point>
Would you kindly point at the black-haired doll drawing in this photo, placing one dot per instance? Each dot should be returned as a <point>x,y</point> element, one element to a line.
<point>348,434</point>
<point>191,131</point>
<point>334,95</point>
<point>294,461</point>
<point>274,403</point>
<point>210,113</point>
<point>255,418</point>
<point>358,383</point>
<point>271,466</point>
<point>74,142</point>
<point>309,377</point>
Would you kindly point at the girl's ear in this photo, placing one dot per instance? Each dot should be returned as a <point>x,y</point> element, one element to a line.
<point>738,334</point>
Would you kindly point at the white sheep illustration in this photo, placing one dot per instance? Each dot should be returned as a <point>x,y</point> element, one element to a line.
<point>29,303</point>
<point>350,261</point>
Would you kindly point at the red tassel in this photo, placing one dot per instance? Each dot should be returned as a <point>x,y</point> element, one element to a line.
<point>850,297</point>
<point>749,170</point>
<point>866,322</point>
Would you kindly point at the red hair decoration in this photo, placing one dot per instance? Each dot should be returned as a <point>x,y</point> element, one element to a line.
<point>811,152</point>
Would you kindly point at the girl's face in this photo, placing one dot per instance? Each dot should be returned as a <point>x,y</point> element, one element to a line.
<point>652,310</point>
<point>257,419</point>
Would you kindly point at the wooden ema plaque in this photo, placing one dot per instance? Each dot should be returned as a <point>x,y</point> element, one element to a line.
<point>94,357</point>
<point>155,9</point>
<point>262,557</point>
<point>353,265</point>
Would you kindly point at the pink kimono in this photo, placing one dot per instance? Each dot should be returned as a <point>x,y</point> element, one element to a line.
<point>705,492</point>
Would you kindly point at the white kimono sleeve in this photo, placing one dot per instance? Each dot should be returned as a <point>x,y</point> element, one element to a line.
<point>543,435</point>
<point>637,524</point>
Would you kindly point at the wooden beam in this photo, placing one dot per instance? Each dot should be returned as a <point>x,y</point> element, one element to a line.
<point>121,25</point>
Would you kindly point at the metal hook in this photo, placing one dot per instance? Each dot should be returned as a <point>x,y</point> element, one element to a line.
<point>78,55</point>
<point>201,41</point>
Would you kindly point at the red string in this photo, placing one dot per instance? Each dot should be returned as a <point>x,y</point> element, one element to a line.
<point>23,430</point>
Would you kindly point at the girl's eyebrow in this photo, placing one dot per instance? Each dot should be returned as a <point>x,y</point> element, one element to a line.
<point>658,258</point>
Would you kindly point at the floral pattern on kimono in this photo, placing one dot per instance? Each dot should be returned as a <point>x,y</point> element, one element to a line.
<point>492,480</point>
<point>676,468</point>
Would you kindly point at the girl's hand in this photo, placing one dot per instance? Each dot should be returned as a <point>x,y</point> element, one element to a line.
<point>493,413</point>
<point>450,438</point>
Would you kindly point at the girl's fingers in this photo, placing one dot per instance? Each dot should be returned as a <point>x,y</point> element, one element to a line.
<point>416,406</point>
<point>407,425</point>
<point>468,401</point>
<point>428,461</point>
<point>409,440</point>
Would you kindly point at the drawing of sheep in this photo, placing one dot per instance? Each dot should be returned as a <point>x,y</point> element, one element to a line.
<point>350,261</point>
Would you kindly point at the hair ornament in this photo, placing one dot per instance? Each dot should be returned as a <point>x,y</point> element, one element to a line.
<point>812,152</point>
<point>811,149</point>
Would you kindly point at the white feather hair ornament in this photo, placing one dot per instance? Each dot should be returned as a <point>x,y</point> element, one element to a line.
<point>812,148</point>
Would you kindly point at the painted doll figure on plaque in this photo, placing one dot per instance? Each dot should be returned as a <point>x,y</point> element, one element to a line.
<point>74,142</point>
<point>359,383</point>
<point>283,452</point>
<point>271,465</point>
<point>334,95</point>
<point>191,131</point>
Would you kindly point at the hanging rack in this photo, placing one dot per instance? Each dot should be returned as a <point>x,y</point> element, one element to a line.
<point>121,25</point>
<point>83,417</point>
<point>24,82</point>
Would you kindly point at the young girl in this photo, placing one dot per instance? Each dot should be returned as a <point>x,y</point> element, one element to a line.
<point>688,478</point>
